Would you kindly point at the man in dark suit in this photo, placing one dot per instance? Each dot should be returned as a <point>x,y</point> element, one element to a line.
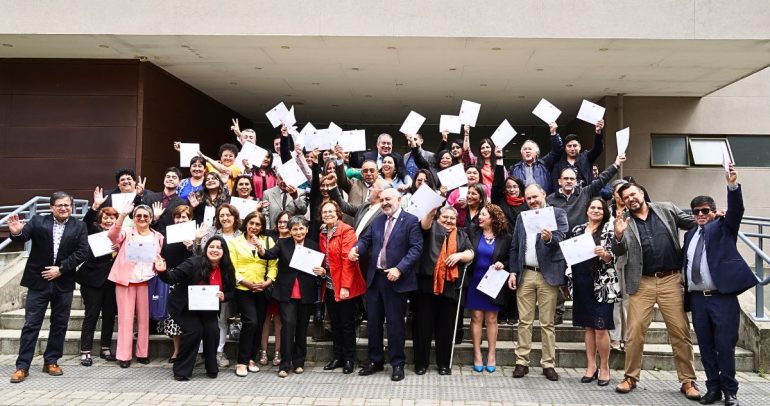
<point>537,279</point>
<point>394,241</point>
<point>384,147</point>
<point>59,245</point>
<point>715,274</point>
<point>163,203</point>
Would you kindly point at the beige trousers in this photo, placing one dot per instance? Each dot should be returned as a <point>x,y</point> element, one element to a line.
<point>534,291</point>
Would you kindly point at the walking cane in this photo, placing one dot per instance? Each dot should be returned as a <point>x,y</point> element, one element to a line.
<point>457,315</point>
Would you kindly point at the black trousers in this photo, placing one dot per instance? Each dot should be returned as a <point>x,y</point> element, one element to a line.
<point>433,318</point>
<point>716,320</point>
<point>34,313</point>
<point>343,318</point>
<point>197,326</point>
<point>295,317</point>
<point>252,307</point>
<point>96,301</point>
<point>510,310</point>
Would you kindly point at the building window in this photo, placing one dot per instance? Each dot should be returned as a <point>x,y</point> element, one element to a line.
<point>669,150</point>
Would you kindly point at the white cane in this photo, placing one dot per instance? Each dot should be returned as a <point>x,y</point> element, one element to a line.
<point>457,314</point>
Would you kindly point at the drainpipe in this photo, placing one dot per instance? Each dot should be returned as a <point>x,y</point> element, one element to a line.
<point>621,125</point>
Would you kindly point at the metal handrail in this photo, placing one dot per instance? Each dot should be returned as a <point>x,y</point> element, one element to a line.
<point>33,206</point>
<point>760,258</point>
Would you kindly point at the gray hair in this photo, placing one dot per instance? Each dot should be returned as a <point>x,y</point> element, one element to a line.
<point>534,146</point>
<point>383,135</point>
<point>298,220</point>
<point>447,208</point>
<point>617,182</point>
<point>144,207</point>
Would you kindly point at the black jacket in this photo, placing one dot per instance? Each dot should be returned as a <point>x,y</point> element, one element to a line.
<point>188,273</point>
<point>283,251</point>
<point>95,270</point>
<point>500,254</point>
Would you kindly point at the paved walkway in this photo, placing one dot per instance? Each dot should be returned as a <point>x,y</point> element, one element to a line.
<point>106,384</point>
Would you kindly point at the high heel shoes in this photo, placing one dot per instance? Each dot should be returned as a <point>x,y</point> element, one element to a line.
<point>589,379</point>
<point>478,368</point>
<point>603,382</point>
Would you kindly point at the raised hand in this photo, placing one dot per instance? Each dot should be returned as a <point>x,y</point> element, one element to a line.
<point>236,128</point>
<point>620,159</point>
<point>127,208</point>
<point>498,152</point>
<point>157,210</point>
<point>339,152</point>
<point>444,136</point>
<point>177,146</point>
<point>193,199</point>
<point>552,128</point>
<point>467,130</point>
<point>15,225</point>
<point>599,126</point>
<point>140,185</point>
<point>98,198</point>
<point>160,264</point>
<point>200,232</point>
<point>621,224</point>
<point>732,176</point>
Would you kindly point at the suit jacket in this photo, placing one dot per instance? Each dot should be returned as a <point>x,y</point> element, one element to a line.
<point>297,206</point>
<point>358,159</point>
<point>188,273</point>
<point>73,250</point>
<point>357,212</point>
<point>501,253</point>
<point>729,271</point>
<point>356,189</point>
<point>283,250</point>
<point>672,217</point>
<point>549,256</point>
<point>166,219</point>
<point>403,250</point>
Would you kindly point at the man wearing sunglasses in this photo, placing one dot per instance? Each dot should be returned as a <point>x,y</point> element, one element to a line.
<point>715,274</point>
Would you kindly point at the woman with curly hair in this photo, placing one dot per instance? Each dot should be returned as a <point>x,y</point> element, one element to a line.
<point>214,194</point>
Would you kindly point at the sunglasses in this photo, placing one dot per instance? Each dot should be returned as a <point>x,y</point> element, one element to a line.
<point>704,211</point>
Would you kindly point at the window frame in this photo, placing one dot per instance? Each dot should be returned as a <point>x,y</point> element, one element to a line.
<point>652,151</point>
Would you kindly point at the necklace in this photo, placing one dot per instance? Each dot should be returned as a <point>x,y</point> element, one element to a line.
<point>489,240</point>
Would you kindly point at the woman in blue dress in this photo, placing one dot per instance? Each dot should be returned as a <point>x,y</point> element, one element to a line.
<point>492,242</point>
<point>594,316</point>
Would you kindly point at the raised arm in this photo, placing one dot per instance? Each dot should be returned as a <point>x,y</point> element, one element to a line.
<point>556,148</point>
<point>593,153</point>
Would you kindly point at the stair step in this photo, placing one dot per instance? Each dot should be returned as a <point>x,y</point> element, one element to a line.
<point>568,354</point>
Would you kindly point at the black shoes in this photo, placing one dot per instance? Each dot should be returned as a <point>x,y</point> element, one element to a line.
<point>731,400</point>
<point>550,374</point>
<point>711,397</point>
<point>444,371</point>
<point>143,360</point>
<point>370,369</point>
<point>332,365</point>
<point>347,367</point>
<point>85,359</point>
<point>181,378</point>
<point>107,355</point>
<point>520,371</point>
<point>589,379</point>
<point>212,375</point>
<point>124,364</point>
<point>420,371</point>
<point>398,373</point>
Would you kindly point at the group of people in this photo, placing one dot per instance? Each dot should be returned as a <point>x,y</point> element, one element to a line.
<point>352,210</point>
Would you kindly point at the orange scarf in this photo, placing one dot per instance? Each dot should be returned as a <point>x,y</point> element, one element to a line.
<point>442,272</point>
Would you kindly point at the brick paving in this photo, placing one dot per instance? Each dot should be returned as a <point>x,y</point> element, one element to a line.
<point>106,384</point>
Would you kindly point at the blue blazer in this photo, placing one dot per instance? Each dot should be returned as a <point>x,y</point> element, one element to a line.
<point>403,250</point>
<point>729,271</point>
<point>549,256</point>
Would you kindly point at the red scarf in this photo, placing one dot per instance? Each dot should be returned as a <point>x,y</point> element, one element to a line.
<point>514,200</point>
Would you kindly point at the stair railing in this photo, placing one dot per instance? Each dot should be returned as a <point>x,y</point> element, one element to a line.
<point>36,205</point>
<point>760,259</point>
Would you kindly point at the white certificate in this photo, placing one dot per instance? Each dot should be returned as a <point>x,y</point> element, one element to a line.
<point>121,200</point>
<point>503,135</point>
<point>290,118</point>
<point>412,123</point>
<point>492,281</point>
<point>578,249</point>
<point>453,177</point>
<point>187,151</point>
<point>352,141</point>
<point>462,192</point>
<point>291,173</point>
<point>726,159</point>
<point>423,201</point>
<point>590,113</point>
<point>305,259</point>
<point>140,252</point>
<point>276,161</point>
<point>334,130</point>
<point>450,124</point>
<point>278,114</point>
<point>208,215</point>
<point>322,139</point>
<point>537,220</point>
<point>623,136</point>
<point>254,154</point>
<point>203,297</point>
<point>546,111</point>
<point>100,244</point>
<point>180,232</point>
<point>469,112</point>
<point>244,206</point>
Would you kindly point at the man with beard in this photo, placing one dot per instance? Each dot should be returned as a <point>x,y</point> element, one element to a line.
<point>649,236</point>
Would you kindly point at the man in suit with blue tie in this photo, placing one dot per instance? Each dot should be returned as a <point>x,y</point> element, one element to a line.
<point>715,274</point>
<point>394,241</point>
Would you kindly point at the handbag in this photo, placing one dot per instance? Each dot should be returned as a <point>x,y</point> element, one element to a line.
<point>607,284</point>
<point>158,295</point>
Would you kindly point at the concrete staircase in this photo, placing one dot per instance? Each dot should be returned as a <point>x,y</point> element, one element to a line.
<point>570,348</point>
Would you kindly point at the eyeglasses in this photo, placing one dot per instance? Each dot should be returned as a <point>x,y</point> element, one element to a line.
<point>282,222</point>
<point>705,211</point>
<point>62,206</point>
<point>141,216</point>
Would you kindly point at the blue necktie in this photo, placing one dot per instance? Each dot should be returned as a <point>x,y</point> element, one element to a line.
<point>697,279</point>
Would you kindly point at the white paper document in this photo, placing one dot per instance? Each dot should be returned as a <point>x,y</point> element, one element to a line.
<point>121,200</point>
<point>412,123</point>
<point>208,215</point>
<point>352,141</point>
<point>578,249</point>
<point>245,206</point>
<point>187,151</point>
<point>253,153</point>
<point>590,112</point>
<point>537,220</point>
<point>276,161</point>
<point>726,159</point>
<point>453,177</point>
<point>140,252</point>
<point>546,111</point>
<point>493,281</point>
<point>203,297</point>
<point>623,137</point>
<point>278,115</point>
<point>290,119</point>
<point>322,139</point>
<point>180,232</point>
<point>469,112</point>
<point>100,244</point>
<point>291,173</point>
<point>334,130</point>
<point>462,192</point>
<point>423,201</point>
<point>450,124</point>
<point>305,259</point>
<point>503,135</point>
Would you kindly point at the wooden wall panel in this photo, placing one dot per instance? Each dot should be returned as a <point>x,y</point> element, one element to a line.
<point>66,111</point>
<point>73,142</point>
<point>66,78</point>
